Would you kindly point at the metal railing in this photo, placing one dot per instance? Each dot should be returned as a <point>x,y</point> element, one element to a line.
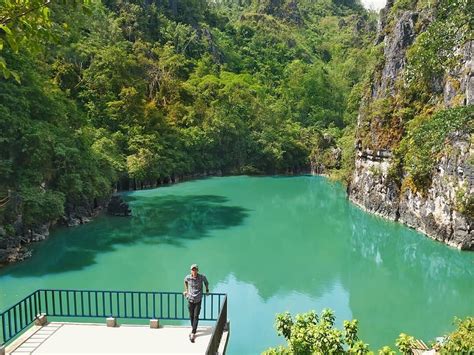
<point>18,317</point>
<point>221,325</point>
<point>100,304</point>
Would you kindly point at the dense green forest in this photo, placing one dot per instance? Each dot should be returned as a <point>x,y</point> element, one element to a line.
<point>134,93</point>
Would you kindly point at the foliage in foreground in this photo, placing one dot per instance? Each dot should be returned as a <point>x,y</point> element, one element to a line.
<point>461,341</point>
<point>310,333</point>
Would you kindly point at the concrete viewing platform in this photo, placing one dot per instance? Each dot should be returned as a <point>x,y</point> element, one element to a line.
<point>93,338</point>
<point>45,322</point>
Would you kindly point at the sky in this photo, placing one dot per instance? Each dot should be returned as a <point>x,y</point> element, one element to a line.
<point>373,4</point>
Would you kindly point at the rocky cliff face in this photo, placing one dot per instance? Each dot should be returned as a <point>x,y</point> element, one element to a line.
<point>14,243</point>
<point>380,183</point>
<point>435,214</point>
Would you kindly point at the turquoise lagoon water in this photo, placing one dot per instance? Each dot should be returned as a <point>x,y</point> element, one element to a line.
<point>273,244</point>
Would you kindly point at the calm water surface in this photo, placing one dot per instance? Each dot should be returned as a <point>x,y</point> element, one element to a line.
<point>273,244</point>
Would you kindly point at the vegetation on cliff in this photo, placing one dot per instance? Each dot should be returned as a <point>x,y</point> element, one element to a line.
<point>141,92</point>
<point>425,139</point>
<point>414,103</point>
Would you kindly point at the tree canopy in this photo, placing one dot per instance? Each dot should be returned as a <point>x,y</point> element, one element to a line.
<point>142,92</point>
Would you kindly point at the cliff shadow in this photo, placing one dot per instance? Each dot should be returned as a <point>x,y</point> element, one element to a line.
<point>170,219</point>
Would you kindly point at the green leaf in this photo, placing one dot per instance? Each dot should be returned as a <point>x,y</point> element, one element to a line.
<point>87,10</point>
<point>6,73</point>
<point>7,30</point>
<point>16,76</point>
<point>45,12</point>
<point>27,24</point>
<point>12,42</point>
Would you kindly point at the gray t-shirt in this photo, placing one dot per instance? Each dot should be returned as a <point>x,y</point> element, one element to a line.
<point>195,287</point>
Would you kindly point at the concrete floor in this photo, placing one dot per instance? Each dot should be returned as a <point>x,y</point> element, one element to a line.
<point>77,338</point>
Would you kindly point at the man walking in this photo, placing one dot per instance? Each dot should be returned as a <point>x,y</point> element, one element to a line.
<point>193,292</point>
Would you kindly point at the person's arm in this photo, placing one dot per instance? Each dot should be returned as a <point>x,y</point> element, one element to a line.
<point>206,283</point>
<point>185,287</point>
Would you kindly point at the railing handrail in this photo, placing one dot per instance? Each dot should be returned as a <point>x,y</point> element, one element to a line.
<point>16,304</point>
<point>125,291</point>
<point>91,290</point>
<point>25,321</point>
<point>85,303</point>
<point>214,342</point>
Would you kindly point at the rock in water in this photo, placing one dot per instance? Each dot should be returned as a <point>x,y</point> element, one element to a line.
<point>118,207</point>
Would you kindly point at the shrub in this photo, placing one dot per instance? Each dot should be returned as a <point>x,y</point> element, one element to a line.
<point>425,139</point>
<point>461,341</point>
<point>310,333</point>
<point>405,343</point>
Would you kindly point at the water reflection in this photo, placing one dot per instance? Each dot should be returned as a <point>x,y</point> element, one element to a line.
<point>165,220</point>
<point>411,284</point>
<point>291,244</point>
<point>251,314</point>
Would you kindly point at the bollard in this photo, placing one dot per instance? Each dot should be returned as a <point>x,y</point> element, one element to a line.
<point>41,319</point>
<point>111,322</point>
<point>154,323</point>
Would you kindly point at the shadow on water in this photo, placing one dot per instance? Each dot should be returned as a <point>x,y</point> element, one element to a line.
<point>170,220</point>
<point>182,217</point>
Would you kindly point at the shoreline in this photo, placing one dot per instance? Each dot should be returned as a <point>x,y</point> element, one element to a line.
<point>420,230</point>
<point>21,252</point>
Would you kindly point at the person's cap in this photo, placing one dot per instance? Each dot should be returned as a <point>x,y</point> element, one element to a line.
<point>194,266</point>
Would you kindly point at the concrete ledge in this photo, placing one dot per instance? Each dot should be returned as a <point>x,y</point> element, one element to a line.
<point>154,324</point>
<point>223,344</point>
<point>111,322</point>
<point>22,338</point>
<point>66,338</point>
<point>41,319</point>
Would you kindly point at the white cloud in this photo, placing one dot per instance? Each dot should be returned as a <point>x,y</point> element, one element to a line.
<point>373,4</point>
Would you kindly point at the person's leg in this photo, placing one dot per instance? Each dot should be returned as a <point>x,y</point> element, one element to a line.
<point>197,310</point>
<point>191,308</point>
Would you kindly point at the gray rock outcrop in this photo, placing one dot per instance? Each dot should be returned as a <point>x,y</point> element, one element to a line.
<point>376,185</point>
<point>14,243</point>
<point>118,207</point>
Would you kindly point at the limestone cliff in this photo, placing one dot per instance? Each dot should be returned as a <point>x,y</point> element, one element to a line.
<point>14,244</point>
<point>399,173</point>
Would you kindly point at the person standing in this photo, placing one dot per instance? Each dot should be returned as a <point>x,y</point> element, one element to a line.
<point>193,292</point>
